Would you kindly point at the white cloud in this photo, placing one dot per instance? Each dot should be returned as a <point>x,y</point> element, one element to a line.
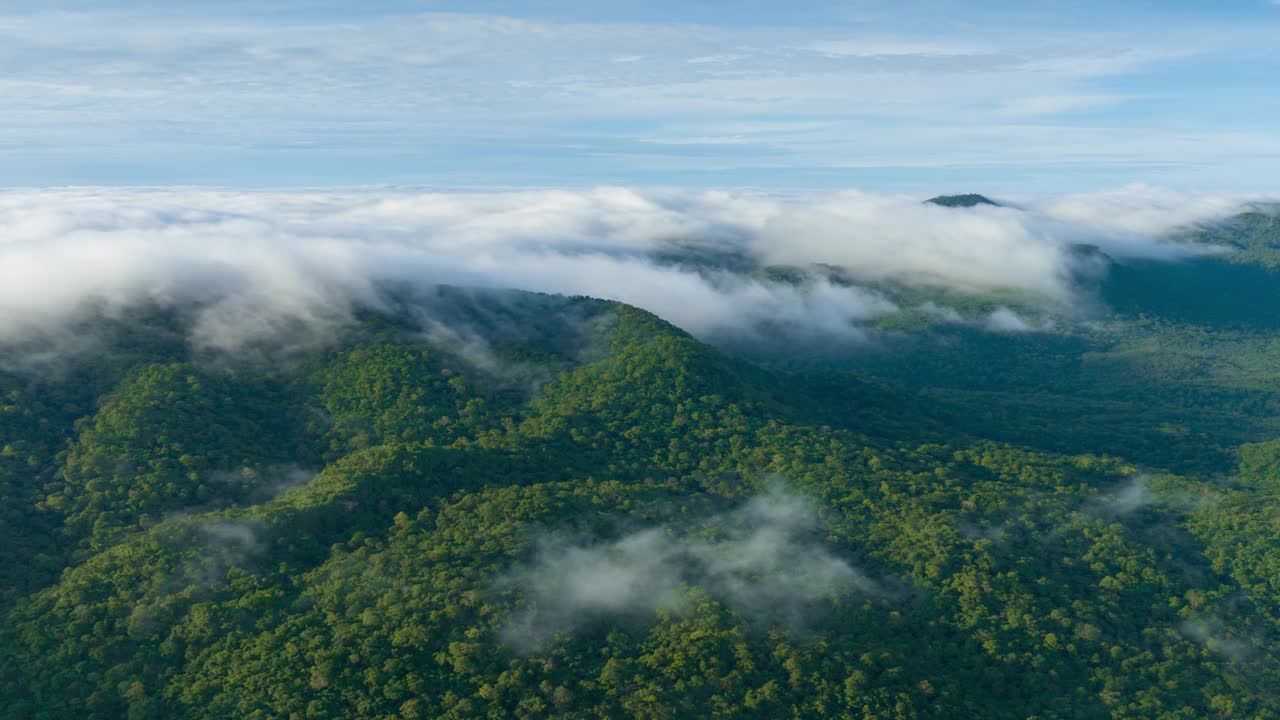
<point>875,48</point>
<point>1142,210</point>
<point>260,262</point>
<point>156,87</point>
<point>761,559</point>
<point>885,237</point>
<point>1004,320</point>
<point>1035,105</point>
<point>1213,634</point>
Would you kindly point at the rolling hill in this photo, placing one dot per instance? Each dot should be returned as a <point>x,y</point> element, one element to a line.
<point>564,507</point>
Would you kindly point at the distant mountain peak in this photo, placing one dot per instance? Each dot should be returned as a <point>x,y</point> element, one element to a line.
<point>968,200</point>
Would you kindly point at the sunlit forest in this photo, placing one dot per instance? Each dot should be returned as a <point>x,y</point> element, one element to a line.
<point>569,508</point>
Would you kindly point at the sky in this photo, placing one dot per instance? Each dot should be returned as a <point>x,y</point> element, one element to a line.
<point>916,97</point>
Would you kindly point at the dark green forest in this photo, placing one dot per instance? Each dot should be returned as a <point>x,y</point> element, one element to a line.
<point>584,512</point>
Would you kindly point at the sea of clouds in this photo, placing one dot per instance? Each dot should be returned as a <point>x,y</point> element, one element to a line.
<point>258,261</point>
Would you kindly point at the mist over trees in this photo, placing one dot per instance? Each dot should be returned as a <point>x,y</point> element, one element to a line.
<point>311,483</point>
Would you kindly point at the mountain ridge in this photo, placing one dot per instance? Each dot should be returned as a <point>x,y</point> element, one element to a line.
<point>958,521</point>
<point>966,200</point>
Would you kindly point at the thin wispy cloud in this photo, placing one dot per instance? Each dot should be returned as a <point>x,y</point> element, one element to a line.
<point>882,49</point>
<point>123,94</point>
<point>762,559</point>
<point>1036,105</point>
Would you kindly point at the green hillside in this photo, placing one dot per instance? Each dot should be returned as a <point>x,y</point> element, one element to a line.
<point>1168,364</point>
<point>584,512</point>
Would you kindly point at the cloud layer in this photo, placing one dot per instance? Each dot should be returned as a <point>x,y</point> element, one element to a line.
<point>261,262</point>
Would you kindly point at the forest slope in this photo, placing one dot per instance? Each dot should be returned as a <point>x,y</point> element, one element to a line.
<point>583,512</point>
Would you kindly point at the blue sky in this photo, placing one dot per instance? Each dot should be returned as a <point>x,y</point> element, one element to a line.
<point>904,96</point>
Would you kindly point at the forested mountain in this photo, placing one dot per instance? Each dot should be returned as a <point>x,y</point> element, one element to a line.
<point>494,504</point>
